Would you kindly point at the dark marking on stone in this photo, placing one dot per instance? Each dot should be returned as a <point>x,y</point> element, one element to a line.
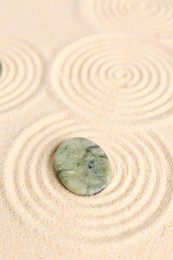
<point>92,147</point>
<point>99,191</point>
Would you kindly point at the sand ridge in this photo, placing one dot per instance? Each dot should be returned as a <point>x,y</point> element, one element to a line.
<point>21,75</point>
<point>154,18</point>
<point>131,78</point>
<point>111,83</point>
<point>138,195</point>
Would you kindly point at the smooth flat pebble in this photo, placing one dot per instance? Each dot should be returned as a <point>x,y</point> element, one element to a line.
<point>82,166</point>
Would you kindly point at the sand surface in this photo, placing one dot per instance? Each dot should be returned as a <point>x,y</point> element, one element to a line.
<point>100,69</point>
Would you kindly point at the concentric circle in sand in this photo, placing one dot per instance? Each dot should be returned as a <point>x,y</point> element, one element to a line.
<point>115,78</point>
<point>21,73</point>
<point>139,193</point>
<point>154,18</point>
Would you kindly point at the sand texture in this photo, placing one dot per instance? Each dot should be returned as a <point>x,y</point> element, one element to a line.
<point>101,70</point>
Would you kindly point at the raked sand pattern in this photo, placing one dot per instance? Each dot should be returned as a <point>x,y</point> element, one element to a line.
<point>106,75</point>
<point>139,193</point>
<point>21,73</point>
<point>150,17</point>
<point>130,78</point>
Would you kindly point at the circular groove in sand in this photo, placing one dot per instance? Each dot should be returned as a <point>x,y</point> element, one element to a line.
<point>148,17</point>
<point>138,194</point>
<point>22,71</point>
<point>131,79</point>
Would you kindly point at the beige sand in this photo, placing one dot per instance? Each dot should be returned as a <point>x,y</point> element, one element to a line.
<point>100,69</point>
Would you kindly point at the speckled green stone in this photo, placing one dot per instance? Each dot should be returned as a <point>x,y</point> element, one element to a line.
<point>82,166</point>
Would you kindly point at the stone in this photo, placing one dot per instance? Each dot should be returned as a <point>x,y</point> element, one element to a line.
<point>82,166</point>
